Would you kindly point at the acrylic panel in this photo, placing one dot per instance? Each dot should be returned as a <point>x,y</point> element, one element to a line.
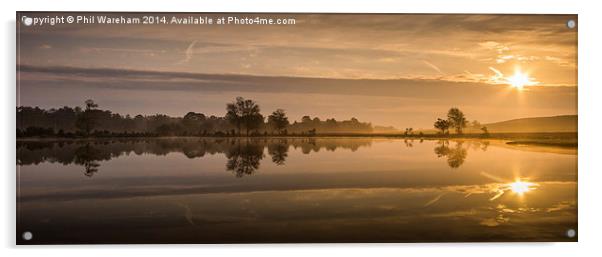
<point>194,128</point>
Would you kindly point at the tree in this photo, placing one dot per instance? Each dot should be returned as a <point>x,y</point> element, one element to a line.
<point>192,122</point>
<point>278,120</point>
<point>252,122</point>
<point>251,116</point>
<point>457,119</point>
<point>234,113</point>
<point>442,125</point>
<point>305,119</point>
<point>244,112</point>
<point>485,130</point>
<point>86,120</point>
<point>90,105</point>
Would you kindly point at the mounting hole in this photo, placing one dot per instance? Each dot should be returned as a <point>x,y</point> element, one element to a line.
<point>571,233</point>
<point>27,21</point>
<point>571,24</point>
<point>27,235</point>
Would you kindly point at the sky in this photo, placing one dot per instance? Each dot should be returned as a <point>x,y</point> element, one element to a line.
<point>394,70</point>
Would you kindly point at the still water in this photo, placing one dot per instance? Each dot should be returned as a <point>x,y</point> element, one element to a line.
<point>209,190</point>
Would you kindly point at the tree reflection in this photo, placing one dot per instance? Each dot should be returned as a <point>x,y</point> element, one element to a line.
<point>243,154</point>
<point>455,155</point>
<point>278,151</point>
<point>86,156</point>
<point>244,157</point>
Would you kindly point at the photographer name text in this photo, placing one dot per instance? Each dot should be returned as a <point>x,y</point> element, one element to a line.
<point>155,20</point>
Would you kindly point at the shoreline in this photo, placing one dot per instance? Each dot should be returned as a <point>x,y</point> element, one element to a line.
<point>557,139</point>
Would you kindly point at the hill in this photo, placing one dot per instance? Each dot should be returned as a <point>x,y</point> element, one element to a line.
<point>563,123</point>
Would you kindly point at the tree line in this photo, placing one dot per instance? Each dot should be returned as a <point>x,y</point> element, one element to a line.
<point>242,117</point>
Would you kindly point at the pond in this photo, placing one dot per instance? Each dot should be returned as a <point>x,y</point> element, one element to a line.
<point>262,190</point>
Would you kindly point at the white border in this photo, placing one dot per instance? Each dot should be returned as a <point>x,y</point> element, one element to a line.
<point>590,123</point>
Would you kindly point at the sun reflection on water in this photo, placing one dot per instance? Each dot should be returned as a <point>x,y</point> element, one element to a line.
<point>518,187</point>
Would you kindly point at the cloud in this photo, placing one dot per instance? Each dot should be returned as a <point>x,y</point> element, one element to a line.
<point>375,46</point>
<point>189,52</point>
<point>166,80</point>
<point>497,77</point>
<point>434,67</point>
<point>434,200</point>
<point>419,88</point>
<point>492,45</point>
<point>122,50</point>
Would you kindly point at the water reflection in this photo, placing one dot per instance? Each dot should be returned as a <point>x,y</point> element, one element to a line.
<point>455,155</point>
<point>87,156</point>
<point>244,157</point>
<point>369,190</point>
<point>518,186</point>
<point>278,151</point>
<point>244,154</point>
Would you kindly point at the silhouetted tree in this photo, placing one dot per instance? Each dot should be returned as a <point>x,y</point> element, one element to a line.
<point>234,113</point>
<point>86,121</point>
<point>278,120</point>
<point>329,125</point>
<point>442,125</point>
<point>485,131</point>
<point>251,116</point>
<point>92,121</point>
<point>457,119</point>
<point>192,122</point>
<point>244,112</point>
<point>90,105</point>
<point>306,119</point>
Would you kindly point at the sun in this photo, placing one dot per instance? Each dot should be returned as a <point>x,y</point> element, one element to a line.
<point>521,187</point>
<point>519,80</point>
